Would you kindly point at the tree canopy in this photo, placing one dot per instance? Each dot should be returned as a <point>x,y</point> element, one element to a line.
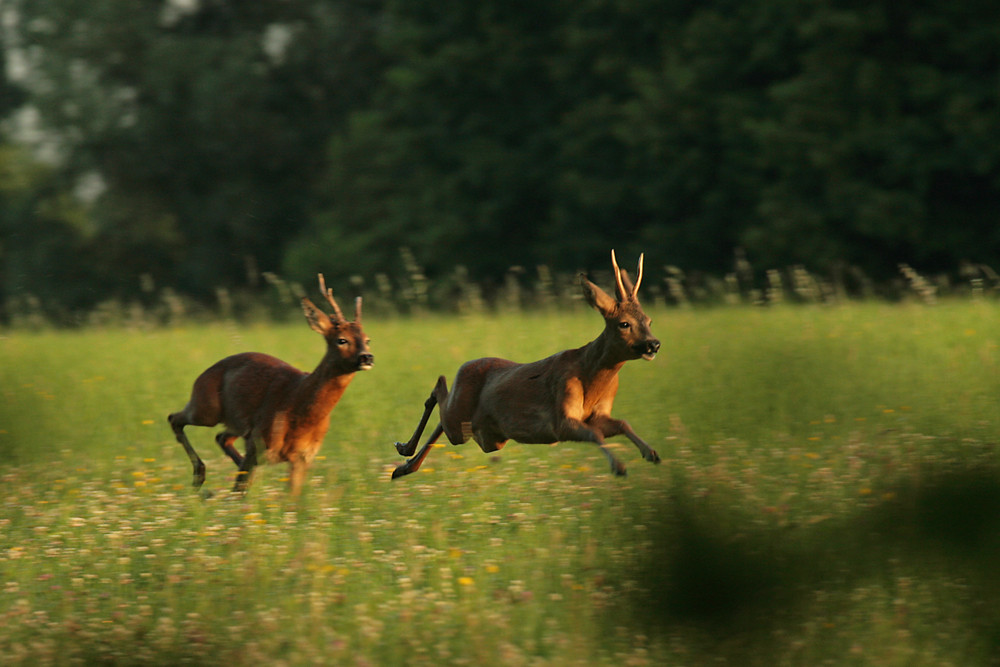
<point>187,141</point>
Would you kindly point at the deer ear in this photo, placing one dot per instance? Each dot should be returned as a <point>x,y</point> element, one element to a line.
<point>597,297</point>
<point>317,319</point>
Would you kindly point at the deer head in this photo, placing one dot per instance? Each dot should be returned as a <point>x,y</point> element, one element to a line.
<point>347,344</point>
<point>626,326</point>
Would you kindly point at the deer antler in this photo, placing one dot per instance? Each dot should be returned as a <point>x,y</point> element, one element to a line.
<point>328,293</point>
<point>357,311</point>
<point>638,279</point>
<point>622,294</point>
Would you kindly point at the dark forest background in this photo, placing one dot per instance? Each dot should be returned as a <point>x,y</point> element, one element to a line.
<point>189,144</point>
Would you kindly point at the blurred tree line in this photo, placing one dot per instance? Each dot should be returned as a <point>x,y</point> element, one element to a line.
<point>194,143</point>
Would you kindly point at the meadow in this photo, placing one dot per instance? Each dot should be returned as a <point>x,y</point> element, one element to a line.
<point>829,494</point>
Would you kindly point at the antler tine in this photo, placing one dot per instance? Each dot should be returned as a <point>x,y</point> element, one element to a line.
<point>328,293</point>
<point>622,294</point>
<point>638,279</point>
<point>357,310</point>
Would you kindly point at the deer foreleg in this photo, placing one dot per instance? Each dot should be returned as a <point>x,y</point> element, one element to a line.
<point>407,448</point>
<point>411,465</point>
<point>577,431</point>
<point>612,427</point>
<point>297,475</point>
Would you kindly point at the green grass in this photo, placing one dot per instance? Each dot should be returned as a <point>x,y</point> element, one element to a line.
<point>829,492</point>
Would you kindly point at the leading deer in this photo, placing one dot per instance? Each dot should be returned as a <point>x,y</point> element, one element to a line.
<point>567,396</point>
<point>279,411</point>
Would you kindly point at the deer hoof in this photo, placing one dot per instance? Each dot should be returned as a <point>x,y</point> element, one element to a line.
<point>199,475</point>
<point>401,470</point>
<point>404,449</point>
<point>653,457</point>
<point>619,469</point>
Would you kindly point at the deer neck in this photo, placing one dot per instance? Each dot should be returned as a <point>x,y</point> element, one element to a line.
<point>600,360</point>
<point>323,388</point>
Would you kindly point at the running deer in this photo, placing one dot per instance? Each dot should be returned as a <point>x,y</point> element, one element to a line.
<point>567,396</point>
<point>279,411</point>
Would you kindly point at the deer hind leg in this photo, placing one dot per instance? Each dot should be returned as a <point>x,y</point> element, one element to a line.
<point>454,419</point>
<point>202,409</point>
<point>407,448</point>
<point>413,464</point>
<point>456,410</point>
<point>178,421</point>
<point>245,474</point>
<point>226,440</point>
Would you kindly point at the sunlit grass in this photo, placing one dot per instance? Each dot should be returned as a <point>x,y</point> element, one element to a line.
<point>828,491</point>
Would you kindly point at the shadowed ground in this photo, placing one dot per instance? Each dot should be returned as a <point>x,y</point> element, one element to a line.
<point>743,589</point>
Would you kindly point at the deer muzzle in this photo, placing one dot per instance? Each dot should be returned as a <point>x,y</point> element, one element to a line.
<point>365,362</point>
<point>648,349</point>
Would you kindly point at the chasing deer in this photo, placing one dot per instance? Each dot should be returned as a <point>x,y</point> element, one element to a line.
<point>567,396</point>
<point>280,412</point>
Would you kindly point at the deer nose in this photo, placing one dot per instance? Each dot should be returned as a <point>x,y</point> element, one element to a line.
<point>648,349</point>
<point>366,361</point>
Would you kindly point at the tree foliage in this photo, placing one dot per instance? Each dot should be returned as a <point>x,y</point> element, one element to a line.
<point>205,123</point>
<point>323,135</point>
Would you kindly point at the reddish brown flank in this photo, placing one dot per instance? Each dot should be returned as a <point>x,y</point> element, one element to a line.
<point>567,396</point>
<point>282,413</point>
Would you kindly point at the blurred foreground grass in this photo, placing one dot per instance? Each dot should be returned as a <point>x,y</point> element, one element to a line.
<point>829,492</point>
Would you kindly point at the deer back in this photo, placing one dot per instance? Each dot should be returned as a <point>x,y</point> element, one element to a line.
<point>251,387</point>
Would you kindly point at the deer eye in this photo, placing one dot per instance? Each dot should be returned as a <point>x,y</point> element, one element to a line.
<point>341,341</point>
<point>624,325</point>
